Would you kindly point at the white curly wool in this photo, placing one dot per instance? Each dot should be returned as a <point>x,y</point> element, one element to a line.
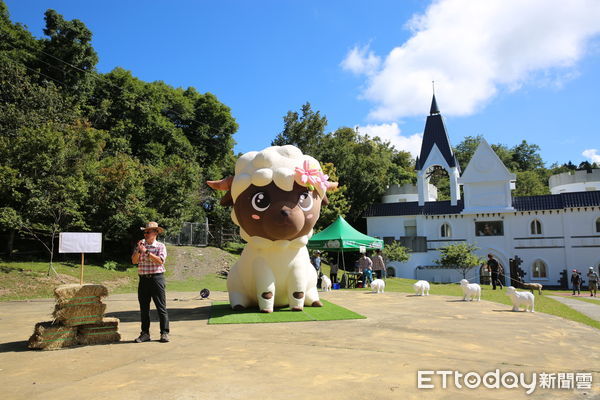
<point>274,164</point>
<point>378,286</point>
<point>421,288</point>
<point>524,299</point>
<point>470,290</point>
<point>325,283</point>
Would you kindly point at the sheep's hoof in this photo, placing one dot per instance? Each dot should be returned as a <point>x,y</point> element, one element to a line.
<point>296,308</point>
<point>267,311</point>
<point>317,304</point>
<point>238,307</point>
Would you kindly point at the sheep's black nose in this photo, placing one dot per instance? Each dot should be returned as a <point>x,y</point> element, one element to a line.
<point>285,213</point>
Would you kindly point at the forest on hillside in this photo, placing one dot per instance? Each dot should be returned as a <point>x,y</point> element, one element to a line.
<point>82,150</point>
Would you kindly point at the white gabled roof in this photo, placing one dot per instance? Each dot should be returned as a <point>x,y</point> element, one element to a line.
<point>485,166</point>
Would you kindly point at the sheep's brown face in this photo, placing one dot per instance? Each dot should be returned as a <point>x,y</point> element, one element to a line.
<point>274,214</point>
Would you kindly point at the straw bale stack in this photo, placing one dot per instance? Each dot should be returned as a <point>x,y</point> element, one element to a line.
<point>78,319</point>
<point>50,336</point>
<point>82,294</point>
<point>75,314</point>
<point>79,304</point>
<point>107,331</point>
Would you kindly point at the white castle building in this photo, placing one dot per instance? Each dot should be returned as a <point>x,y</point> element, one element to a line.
<point>547,234</point>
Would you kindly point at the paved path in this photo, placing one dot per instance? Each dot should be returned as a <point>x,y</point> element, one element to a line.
<point>374,358</point>
<point>589,309</point>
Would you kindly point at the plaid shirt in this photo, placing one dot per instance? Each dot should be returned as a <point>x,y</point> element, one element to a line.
<point>146,265</point>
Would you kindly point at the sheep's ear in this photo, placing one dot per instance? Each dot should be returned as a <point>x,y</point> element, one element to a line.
<point>227,200</point>
<point>325,199</point>
<point>223,184</point>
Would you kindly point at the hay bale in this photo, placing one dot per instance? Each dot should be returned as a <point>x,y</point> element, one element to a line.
<point>75,314</point>
<point>107,331</point>
<point>80,294</point>
<point>51,336</point>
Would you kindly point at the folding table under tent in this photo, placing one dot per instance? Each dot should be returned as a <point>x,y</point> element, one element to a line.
<point>340,237</point>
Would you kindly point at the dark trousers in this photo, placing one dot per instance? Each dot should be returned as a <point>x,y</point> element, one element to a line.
<point>496,281</point>
<point>379,273</point>
<point>333,277</point>
<point>153,287</point>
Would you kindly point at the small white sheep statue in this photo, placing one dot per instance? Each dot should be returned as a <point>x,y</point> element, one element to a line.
<point>470,290</point>
<point>325,283</point>
<point>519,299</point>
<point>421,288</point>
<point>533,286</point>
<point>378,286</point>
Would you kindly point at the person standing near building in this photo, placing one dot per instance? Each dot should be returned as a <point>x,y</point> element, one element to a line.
<point>494,268</point>
<point>364,262</point>
<point>593,281</point>
<point>576,281</point>
<point>150,256</point>
<point>378,264</point>
<point>316,261</point>
<point>333,273</point>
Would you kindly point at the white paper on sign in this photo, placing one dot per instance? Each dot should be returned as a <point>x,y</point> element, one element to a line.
<point>80,242</point>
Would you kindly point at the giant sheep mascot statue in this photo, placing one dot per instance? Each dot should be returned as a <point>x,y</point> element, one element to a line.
<point>276,196</point>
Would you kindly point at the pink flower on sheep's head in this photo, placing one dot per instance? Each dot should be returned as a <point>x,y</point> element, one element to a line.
<point>311,177</point>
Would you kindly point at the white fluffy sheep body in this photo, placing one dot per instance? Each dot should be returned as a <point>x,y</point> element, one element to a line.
<point>470,290</point>
<point>520,299</point>
<point>377,286</point>
<point>421,288</point>
<point>325,283</point>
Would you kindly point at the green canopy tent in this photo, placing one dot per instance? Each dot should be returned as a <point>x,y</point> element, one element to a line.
<point>340,237</point>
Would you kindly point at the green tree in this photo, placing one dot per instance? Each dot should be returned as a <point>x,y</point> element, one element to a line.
<point>54,165</point>
<point>365,166</point>
<point>305,131</point>
<point>526,157</point>
<point>338,203</point>
<point>67,55</point>
<point>531,183</point>
<point>395,252</point>
<point>16,42</point>
<point>461,256</point>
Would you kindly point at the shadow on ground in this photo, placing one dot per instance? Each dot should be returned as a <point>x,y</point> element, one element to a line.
<point>175,314</point>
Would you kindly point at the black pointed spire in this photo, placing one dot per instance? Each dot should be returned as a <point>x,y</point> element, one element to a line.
<point>434,107</point>
<point>435,135</point>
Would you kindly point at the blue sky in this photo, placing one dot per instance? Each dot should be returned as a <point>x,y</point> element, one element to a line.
<point>507,69</point>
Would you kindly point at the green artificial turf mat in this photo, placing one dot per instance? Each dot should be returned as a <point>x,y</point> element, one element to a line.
<point>221,313</point>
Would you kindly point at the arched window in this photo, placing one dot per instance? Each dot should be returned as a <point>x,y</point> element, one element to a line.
<point>598,224</point>
<point>536,227</point>
<point>540,270</point>
<point>445,230</point>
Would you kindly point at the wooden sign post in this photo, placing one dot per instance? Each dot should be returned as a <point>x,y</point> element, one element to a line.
<point>80,242</point>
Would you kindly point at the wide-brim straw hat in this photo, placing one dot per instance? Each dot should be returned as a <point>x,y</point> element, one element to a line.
<point>153,225</point>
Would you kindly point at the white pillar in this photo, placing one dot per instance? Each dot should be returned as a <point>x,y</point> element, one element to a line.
<point>454,189</point>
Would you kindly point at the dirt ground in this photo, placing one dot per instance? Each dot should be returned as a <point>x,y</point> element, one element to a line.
<point>375,358</point>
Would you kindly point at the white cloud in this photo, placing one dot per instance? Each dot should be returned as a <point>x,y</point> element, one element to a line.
<point>472,50</point>
<point>361,61</point>
<point>592,155</point>
<point>391,132</point>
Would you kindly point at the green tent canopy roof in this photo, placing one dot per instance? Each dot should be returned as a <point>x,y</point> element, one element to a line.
<point>341,236</point>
